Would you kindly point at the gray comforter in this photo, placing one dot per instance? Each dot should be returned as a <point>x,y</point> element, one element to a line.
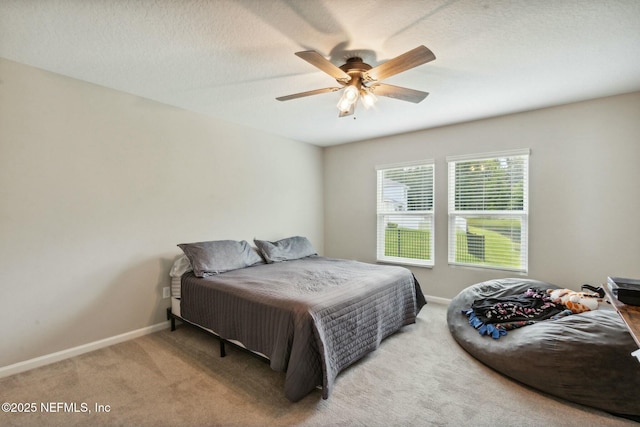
<point>311,317</point>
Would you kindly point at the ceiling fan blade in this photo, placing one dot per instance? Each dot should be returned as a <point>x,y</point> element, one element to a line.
<point>308,93</point>
<point>319,61</point>
<point>413,58</point>
<point>397,92</point>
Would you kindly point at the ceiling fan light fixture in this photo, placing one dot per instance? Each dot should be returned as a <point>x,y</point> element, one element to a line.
<point>367,97</point>
<point>351,93</point>
<point>343,105</point>
<point>349,97</point>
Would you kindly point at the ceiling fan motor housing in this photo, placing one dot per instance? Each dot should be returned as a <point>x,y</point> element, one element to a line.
<point>355,68</point>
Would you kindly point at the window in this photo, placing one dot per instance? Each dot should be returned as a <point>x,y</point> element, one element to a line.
<point>488,210</point>
<point>405,213</point>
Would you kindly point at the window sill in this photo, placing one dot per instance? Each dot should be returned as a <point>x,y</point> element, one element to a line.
<point>403,263</point>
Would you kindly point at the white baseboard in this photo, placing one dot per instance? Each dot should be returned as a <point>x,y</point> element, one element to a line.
<point>437,300</point>
<point>47,359</point>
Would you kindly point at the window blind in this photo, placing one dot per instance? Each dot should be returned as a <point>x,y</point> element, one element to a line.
<point>405,213</point>
<point>488,210</point>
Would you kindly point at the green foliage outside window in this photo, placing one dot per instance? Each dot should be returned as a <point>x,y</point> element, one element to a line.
<point>406,242</point>
<point>499,250</point>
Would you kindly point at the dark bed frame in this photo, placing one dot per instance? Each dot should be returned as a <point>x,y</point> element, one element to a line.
<point>223,342</point>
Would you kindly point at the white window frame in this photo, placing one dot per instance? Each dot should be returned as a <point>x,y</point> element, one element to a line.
<point>389,212</point>
<point>458,218</point>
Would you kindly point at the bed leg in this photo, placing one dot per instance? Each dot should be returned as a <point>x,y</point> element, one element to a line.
<point>172,318</point>
<point>223,353</point>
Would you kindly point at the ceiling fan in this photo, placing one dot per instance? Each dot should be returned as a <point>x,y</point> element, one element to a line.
<point>361,81</point>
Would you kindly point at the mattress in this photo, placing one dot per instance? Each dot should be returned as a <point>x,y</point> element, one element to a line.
<point>175,306</point>
<point>175,287</point>
<point>180,266</point>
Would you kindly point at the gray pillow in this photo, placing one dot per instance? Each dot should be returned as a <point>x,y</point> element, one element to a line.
<point>209,258</point>
<point>286,249</point>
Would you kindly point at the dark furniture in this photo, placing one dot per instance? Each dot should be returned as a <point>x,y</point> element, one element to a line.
<point>630,314</point>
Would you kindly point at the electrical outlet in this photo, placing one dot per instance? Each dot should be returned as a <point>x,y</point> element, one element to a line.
<point>166,292</point>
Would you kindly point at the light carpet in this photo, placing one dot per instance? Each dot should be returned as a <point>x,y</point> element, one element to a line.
<point>418,377</point>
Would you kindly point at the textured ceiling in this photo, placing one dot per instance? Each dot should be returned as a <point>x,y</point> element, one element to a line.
<point>231,59</point>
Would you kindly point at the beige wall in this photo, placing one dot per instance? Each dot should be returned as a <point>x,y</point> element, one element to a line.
<point>96,189</point>
<point>584,191</point>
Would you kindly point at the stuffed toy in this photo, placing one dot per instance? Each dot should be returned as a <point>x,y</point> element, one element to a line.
<point>577,302</point>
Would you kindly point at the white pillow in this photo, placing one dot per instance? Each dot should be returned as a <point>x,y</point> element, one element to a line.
<point>180,266</point>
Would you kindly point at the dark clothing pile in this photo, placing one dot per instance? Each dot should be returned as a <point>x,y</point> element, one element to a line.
<point>495,316</point>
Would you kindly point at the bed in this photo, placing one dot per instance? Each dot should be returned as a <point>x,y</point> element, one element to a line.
<point>310,316</point>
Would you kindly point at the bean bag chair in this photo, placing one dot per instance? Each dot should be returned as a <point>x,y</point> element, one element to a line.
<point>584,358</point>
